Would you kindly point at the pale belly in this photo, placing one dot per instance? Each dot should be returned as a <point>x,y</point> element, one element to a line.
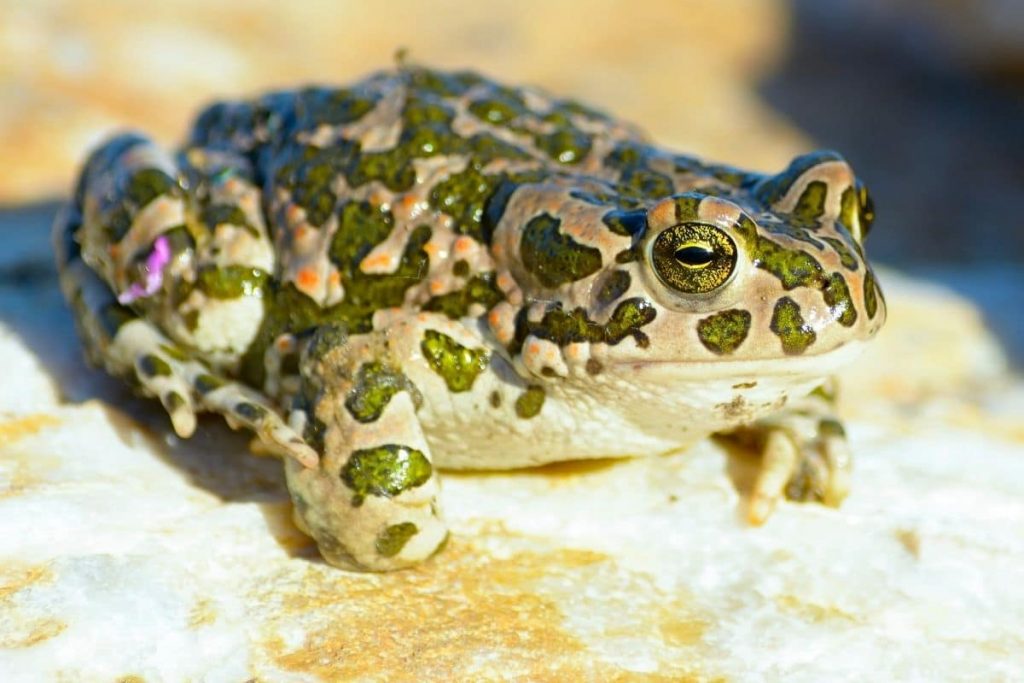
<point>637,410</point>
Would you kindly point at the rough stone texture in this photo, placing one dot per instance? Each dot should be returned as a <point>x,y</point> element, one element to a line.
<point>126,552</point>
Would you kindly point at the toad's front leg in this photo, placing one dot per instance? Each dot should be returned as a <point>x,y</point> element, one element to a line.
<point>805,456</point>
<point>372,502</point>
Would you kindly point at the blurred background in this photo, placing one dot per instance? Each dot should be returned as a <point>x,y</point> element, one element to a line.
<point>925,98</point>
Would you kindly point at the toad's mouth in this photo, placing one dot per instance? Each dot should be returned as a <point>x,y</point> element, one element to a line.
<point>810,365</point>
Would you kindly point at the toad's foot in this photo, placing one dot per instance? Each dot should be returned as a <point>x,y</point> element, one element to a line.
<point>132,347</point>
<point>805,456</point>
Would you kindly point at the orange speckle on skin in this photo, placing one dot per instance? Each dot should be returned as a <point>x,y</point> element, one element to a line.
<point>497,250</point>
<point>463,245</point>
<point>436,286</point>
<point>293,213</point>
<point>334,278</point>
<point>407,204</point>
<point>300,232</point>
<point>379,260</point>
<point>307,279</point>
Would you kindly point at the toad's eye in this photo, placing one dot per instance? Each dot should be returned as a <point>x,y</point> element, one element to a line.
<point>693,258</point>
<point>695,255</point>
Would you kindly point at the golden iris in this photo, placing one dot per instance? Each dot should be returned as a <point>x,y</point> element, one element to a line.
<point>693,258</point>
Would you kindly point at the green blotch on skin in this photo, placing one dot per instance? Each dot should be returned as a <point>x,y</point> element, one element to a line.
<point>566,145</point>
<point>476,200</point>
<point>625,155</point>
<point>687,206</point>
<point>331,106</point>
<point>793,267</point>
<point>174,352</point>
<point>826,392</point>
<point>439,83</point>
<point>147,184</point>
<point>637,178</point>
<point>530,402</point>
<point>840,303</point>
<point>457,365</point>
<point>480,289</point>
<point>846,255</point>
<point>174,402</point>
<point>646,183</point>
<point>392,168</point>
<point>309,175</point>
<point>154,366</point>
<point>811,204</point>
<point>250,412</point>
<point>615,285</point>
<point>375,385</point>
<point>830,427</point>
<point>180,238</point>
<point>206,383</point>
<point>553,257</point>
<point>723,332</point>
<point>191,320</point>
<point>391,541</point>
<point>626,223</point>
<point>500,110</point>
<point>461,268</point>
<point>464,196</point>
<point>219,214</point>
<point>870,294</point>
<point>231,282</point>
<point>627,319</point>
<point>384,471</point>
<point>136,191</point>
<point>362,227</point>
<point>567,327</point>
<point>789,326</point>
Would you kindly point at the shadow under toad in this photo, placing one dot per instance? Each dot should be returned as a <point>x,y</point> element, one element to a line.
<point>214,459</point>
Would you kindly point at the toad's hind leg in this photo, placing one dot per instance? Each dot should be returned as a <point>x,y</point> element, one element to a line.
<point>372,503</point>
<point>805,456</point>
<point>133,348</point>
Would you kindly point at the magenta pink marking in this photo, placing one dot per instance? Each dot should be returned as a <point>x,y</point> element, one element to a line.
<point>156,262</point>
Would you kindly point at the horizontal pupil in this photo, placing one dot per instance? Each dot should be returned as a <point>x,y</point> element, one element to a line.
<point>694,256</point>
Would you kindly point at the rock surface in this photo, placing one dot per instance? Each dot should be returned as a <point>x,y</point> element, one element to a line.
<point>126,554</point>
